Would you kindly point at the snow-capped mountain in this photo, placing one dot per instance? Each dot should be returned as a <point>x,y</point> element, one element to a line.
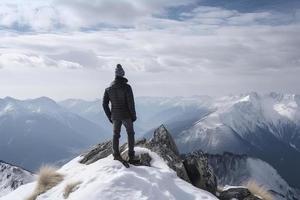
<point>240,117</point>
<point>12,177</point>
<point>263,126</point>
<point>232,169</point>
<point>108,179</point>
<point>40,131</point>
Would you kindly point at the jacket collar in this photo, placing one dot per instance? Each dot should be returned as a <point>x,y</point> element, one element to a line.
<point>119,81</point>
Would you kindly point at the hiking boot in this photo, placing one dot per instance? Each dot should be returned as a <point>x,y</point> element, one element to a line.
<point>118,157</point>
<point>134,160</point>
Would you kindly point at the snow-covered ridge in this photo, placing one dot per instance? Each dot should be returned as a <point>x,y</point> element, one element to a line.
<point>108,179</point>
<point>244,113</point>
<point>11,177</point>
<point>253,108</point>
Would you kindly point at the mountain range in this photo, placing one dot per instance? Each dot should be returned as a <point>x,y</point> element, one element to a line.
<point>262,126</point>
<point>38,131</point>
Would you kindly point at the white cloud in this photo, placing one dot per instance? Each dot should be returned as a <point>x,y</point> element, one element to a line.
<point>209,49</point>
<point>15,61</point>
<point>53,15</point>
<point>233,49</point>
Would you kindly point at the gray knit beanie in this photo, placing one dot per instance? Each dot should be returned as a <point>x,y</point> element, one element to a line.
<point>119,70</point>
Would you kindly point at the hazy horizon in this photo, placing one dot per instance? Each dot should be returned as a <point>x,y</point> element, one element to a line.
<point>142,96</point>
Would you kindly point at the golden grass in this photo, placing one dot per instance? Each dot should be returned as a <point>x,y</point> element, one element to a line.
<point>258,190</point>
<point>47,179</point>
<point>71,187</point>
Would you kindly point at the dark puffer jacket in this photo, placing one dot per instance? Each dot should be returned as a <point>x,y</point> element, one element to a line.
<point>120,95</point>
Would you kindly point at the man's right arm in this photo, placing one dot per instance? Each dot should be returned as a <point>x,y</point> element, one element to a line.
<point>105,105</point>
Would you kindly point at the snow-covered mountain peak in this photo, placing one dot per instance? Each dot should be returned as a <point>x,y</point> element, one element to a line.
<point>13,106</point>
<point>11,177</point>
<point>253,108</point>
<point>10,99</point>
<point>43,102</point>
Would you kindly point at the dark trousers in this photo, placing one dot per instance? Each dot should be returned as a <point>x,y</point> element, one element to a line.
<point>130,132</point>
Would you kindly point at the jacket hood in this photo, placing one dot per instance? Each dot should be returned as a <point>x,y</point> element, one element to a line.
<point>119,81</point>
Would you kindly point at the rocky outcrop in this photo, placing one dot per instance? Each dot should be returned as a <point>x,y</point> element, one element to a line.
<point>189,168</point>
<point>239,193</point>
<point>199,172</point>
<point>98,152</point>
<point>163,139</point>
<point>163,144</point>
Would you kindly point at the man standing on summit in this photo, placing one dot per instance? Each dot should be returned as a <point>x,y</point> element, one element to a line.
<point>122,111</point>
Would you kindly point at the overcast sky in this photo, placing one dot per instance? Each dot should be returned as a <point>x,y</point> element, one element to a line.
<point>69,48</point>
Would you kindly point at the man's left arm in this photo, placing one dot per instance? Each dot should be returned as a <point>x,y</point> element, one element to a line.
<point>105,105</point>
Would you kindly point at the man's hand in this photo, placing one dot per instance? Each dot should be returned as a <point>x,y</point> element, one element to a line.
<point>133,118</point>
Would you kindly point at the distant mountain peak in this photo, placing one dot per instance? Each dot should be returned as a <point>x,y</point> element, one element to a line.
<point>11,177</point>
<point>44,101</point>
<point>8,98</point>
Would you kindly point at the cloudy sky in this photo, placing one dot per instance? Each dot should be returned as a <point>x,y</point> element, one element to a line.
<point>69,48</point>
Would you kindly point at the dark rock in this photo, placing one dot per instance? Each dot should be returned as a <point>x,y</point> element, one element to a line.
<point>200,173</point>
<point>145,159</point>
<point>163,144</point>
<point>164,139</point>
<point>98,152</point>
<point>237,193</point>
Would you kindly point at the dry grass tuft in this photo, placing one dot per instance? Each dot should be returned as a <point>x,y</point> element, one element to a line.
<point>71,187</point>
<point>258,190</point>
<point>47,179</point>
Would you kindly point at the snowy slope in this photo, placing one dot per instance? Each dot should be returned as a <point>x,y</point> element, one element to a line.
<point>12,177</point>
<point>38,131</point>
<point>108,179</point>
<point>237,170</point>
